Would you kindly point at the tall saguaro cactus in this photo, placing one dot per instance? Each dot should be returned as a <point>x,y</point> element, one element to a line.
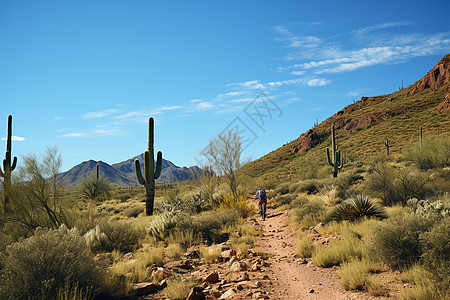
<point>386,143</point>
<point>150,173</point>
<point>8,166</point>
<point>334,159</point>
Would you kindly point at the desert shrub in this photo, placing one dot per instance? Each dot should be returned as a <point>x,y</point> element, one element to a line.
<point>397,186</point>
<point>161,225</point>
<point>307,186</point>
<point>344,181</point>
<point>237,202</point>
<point>344,250</point>
<point>396,241</point>
<point>174,251</point>
<point>139,270</point>
<point>282,189</point>
<point>285,199</point>
<point>39,266</point>
<point>209,224</point>
<point>356,208</point>
<point>436,253</point>
<point>209,254</point>
<point>178,288</point>
<point>133,212</point>
<point>433,153</point>
<point>308,213</point>
<point>183,237</point>
<point>93,187</point>
<point>109,236</point>
<point>305,247</point>
<point>423,286</point>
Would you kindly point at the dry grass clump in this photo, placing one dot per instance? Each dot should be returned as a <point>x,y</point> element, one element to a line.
<point>305,247</point>
<point>209,254</point>
<point>179,288</point>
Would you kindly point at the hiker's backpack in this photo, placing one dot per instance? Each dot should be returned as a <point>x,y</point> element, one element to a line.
<point>262,193</point>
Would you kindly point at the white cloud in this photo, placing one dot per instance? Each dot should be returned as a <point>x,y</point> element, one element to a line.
<point>15,138</point>
<point>356,92</point>
<point>381,48</point>
<point>201,106</point>
<point>96,132</point>
<point>100,114</point>
<point>375,27</point>
<point>305,81</point>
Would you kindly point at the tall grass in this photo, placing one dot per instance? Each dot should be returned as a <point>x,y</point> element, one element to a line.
<point>338,252</point>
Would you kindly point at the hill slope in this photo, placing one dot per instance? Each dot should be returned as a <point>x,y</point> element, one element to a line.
<point>363,126</point>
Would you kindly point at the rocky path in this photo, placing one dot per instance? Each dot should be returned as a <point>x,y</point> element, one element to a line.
<point>292,277</point>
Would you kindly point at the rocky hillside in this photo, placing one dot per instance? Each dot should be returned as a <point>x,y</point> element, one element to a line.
<point>123,173</point>
<point>363,126</point>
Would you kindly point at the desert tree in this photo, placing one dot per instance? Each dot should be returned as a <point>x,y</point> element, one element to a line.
<point>223,152</point>
<point>38,200</point>
<point>95,185</point>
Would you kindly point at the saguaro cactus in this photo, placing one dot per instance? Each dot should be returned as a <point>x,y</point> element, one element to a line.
<point>334,159</point>
<point>150,172</point>
<point>96,182</point>
<point>386,143</point>
<point>8,167</point>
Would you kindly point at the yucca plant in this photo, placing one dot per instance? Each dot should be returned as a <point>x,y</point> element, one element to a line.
<point>356,208</point>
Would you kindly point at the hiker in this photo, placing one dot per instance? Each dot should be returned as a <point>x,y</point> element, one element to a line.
<point>261,197</point>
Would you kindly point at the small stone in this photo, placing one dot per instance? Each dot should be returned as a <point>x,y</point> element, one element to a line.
<point>212,277</point>
<point>144,288</point>
<point>311,291</point>
<point>196,293</point>
<point>229,294</point>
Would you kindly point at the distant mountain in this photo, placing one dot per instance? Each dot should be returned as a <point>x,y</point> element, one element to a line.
<point>123,173</point>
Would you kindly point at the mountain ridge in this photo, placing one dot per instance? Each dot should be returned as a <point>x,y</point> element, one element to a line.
<point>123,173</point>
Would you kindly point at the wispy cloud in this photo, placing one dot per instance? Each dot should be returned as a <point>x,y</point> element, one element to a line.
<point>15,138</point>
<point>306,81</point>
<point>100,114</point>
<point>201,106</point>
<point>95,132</point>
<point>368,29</point>
<point>381,48</point>
<point>356,92</point>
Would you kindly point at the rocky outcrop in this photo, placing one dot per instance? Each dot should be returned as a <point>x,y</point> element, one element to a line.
<point>436,77</point>
<point>306,141</point>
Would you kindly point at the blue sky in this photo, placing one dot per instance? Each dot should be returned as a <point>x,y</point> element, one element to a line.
<point>86,75</point>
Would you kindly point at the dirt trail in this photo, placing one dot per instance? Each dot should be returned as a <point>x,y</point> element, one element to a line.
<point>296,278</point>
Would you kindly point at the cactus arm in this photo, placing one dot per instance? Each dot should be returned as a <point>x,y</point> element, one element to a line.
<point>137,167</point>
<point>158,165</point>
<point>338,160</point>
<point>14,163</point>
<point>329,157</point>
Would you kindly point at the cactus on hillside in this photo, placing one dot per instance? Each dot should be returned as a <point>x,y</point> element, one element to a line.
<point>421,136</point>
<point>96,182</point>
<point>334,159</point>
<point>8,166</point>
<point>386,143</point>
<point>150,173</point>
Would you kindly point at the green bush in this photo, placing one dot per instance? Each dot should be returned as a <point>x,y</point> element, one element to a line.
<point>161,225</point>
<point>40,266</point>
<point>307,212</point>
<point>396,241</point>
<point>398,185</point>
<point>433,153</point>
<point>209,224</point>
<point>109,236</point>
<point>436,253</point>
<point>134,211</point>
